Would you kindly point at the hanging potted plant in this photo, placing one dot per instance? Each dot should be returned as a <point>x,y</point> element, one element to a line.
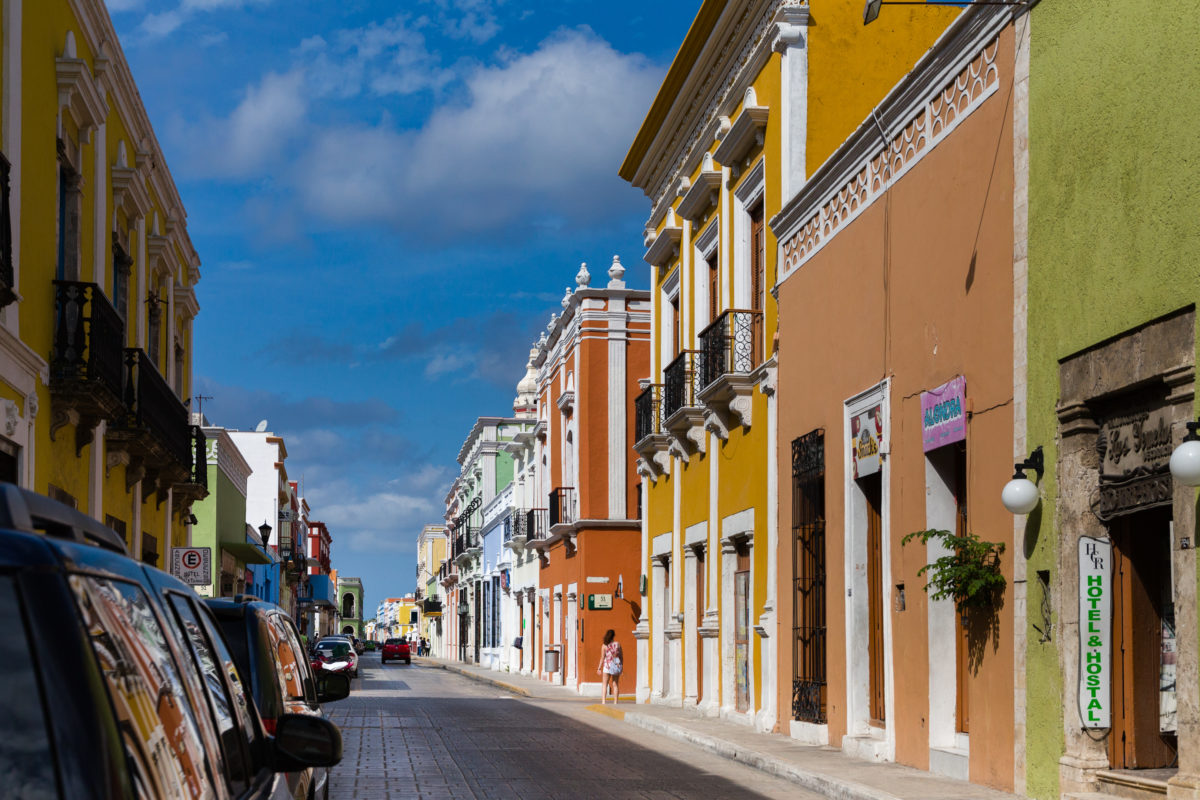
<point>969,573</point>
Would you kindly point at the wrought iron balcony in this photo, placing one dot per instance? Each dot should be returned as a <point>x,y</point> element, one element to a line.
<point>732,345</point>
<point>195,485</point>
<point>156,426</point>
<point>537,524</point>
<point>681,382</point>
<point>648,408</point>
<point>562,506</point>
<point>86,365</point>
<point>516,531</point>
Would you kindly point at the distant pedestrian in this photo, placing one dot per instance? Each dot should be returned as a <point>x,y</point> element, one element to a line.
<point>610,666</point>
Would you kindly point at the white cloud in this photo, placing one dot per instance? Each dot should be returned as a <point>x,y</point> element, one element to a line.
<point>119,6</point>
<point>542,131</point>
<point>254,135</point>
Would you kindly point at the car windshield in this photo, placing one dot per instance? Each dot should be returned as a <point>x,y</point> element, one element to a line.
<point>334,649</point>
<point>394,641</point>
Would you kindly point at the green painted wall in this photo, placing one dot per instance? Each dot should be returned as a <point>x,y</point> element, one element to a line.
<point>504,471</point>
<point>1114,228</point>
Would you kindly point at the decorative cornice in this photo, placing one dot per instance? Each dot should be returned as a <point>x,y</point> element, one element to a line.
<point>718,70</point>
<point>953,79</point>
<point>77,91</point>
<point>665,247</point>
<point>745,134</point>
<point>702,197</point>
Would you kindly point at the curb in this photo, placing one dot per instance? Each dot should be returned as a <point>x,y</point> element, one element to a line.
<point>825,785</point>
<point>508,687</point>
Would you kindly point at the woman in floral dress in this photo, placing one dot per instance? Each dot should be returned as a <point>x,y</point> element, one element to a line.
<point>610,666</point>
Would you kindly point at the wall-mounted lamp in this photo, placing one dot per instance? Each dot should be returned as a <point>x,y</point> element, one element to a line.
<point>1185,461</point>
<point>264,531</point>
<point>191,519</point>
<point>871,9</point>
<point>1020,495</point>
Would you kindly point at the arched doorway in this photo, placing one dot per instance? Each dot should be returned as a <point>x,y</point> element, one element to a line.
<point>349,629</point>
<point>348,606</point>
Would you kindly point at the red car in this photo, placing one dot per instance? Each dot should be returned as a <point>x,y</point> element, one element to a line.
<point>396,649</point>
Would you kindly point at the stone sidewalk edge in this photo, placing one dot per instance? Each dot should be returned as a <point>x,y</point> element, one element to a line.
<point>508,687</point>
<point>826,785</point>
<point>831,787</point>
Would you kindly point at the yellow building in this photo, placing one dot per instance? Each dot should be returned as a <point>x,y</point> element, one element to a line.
<point>98,279</point>
<point>757,97</point>
<point>431,552</point>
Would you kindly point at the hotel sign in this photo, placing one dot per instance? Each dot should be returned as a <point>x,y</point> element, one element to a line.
<point>944,414</point>
<point>1095,632</point>
<point>866,434</point>
<point>1135,450</point>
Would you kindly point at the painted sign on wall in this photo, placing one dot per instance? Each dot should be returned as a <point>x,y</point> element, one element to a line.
<point>944,414</point>
<point>866,433</point>
<point>1095,632</point>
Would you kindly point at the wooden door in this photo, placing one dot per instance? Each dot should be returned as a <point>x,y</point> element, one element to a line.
<point>872,487</point>
<point>714,289</point>
<point>1143,617</point>
<point>741,630</point>
<point>675,330</point>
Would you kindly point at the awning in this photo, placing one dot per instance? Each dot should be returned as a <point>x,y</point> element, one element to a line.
<point>243,543</point>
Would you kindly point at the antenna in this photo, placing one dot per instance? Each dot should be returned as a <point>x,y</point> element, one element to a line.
<point>261,427</point>
<point>200,398</point>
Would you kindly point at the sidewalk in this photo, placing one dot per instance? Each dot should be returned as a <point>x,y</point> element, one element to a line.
<point>824,770</point>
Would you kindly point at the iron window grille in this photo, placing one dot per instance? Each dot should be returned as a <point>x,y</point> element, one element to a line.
<point>809,648</point>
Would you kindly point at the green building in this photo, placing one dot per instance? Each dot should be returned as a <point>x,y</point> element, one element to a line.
<point>1105,384</point>
<point>350,600</point>
<point>221,528</point>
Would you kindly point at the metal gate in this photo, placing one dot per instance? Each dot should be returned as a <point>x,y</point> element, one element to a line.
<point>808,576</point>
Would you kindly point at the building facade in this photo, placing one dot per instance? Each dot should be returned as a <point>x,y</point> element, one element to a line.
<point>221,526</point>
<point>588,364</point>
<point>350,601</point>
<point>431,552</point>
<point>97,285</point>
<point>1110,208</point>
<point>902,242</point>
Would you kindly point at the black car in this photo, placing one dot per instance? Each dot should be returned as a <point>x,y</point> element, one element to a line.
<point>267,650</point>
<point>115,680</point>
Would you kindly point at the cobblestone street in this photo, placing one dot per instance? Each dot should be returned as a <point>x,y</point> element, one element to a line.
<point>416,732</point>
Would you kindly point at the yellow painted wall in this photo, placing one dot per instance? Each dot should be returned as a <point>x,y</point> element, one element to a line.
<point>851,67</point>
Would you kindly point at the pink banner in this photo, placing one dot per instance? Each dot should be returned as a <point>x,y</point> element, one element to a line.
<point>944,414</point>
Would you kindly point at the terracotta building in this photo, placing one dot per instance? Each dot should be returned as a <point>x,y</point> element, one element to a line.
<point>588,364</point>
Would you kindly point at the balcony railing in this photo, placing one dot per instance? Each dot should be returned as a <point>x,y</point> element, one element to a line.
<point>88,338</point>
<point>537,523</point>
<point>648,408</point>
<point>681,379</point>
<point>515,527</point>
<point>732,345</point>
<point>155,408</point>
<point>562,506</point>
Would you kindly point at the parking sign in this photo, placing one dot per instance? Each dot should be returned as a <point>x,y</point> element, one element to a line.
<point>192,565</point>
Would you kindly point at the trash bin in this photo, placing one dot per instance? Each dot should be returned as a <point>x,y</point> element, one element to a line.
<point>551,664</point>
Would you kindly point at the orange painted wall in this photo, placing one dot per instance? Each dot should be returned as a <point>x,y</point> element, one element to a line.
<point>942,243</point>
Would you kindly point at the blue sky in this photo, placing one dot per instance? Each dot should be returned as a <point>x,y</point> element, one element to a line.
<point>389,200</point>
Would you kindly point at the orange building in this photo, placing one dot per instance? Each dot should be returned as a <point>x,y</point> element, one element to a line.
<point>588,364</point>
<point>897,403</point>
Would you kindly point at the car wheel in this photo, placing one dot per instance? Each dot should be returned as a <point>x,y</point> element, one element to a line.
<point>408,661</point>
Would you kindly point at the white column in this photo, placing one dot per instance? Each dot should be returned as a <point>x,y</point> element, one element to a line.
<point>137,522</point>
<point>691,619</point>
<point>641,633</point>
<point>96,473</point>
<point>769,620</point>
<point>139,289</point>
<point>618,449</point>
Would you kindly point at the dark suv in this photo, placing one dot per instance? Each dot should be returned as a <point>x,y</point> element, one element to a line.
<point>266,648</point>
<point>115,680</point>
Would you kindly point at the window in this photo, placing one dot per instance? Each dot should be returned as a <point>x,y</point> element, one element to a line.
<point>178,369</point>
<point>122,264</point>
<point>287,661</point>
<point>7,276</point>
<point>149,549</point>
<point>118,525</point>
<point>302,663</point>
<point>227,714</point>
<point>714,288</point>
<point>61,496</point>
<point>69,197</point>
<point>26,759</point>
<point>676,333</point>
<point>161,736</point>
<point>154,314</point>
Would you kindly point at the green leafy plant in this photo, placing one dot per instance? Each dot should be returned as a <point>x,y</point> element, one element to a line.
<point>969,573</point>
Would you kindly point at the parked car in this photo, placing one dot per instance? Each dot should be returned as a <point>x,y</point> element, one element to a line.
<point>335,655</point>
<point>396,649</point>
<point>116,681</point>
<point>267,650</point>
<point>370,645</point>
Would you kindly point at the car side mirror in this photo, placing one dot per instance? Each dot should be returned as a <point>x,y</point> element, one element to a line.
<point>303,741</point>
<point>332,686</point>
